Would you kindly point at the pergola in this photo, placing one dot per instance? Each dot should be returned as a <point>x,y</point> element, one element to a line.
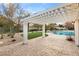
<point>67,12</point>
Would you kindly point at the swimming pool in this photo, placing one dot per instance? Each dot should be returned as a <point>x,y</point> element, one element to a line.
<point>67,33</point>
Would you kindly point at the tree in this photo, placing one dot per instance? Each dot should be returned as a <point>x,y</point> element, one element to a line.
<point>8,10</point>
<point>4,25</point>
<point>37,27</point>
<point>21,14</point>
<point>14,13</point>
<point>50,26</point>
<point>1,30</point>
<point>60,25</point>
<point>69,25</point>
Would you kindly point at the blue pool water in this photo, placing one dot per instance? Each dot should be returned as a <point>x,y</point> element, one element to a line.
<point>67,33</point>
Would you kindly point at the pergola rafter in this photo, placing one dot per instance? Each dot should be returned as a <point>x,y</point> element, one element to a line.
<point>66,11</point>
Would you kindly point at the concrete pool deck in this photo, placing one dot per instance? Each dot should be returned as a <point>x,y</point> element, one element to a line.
<point>52,45</point>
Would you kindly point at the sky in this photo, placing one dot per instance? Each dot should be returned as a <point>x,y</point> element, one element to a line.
<point>36,7</point>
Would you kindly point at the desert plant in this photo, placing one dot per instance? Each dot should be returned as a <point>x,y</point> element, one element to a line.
<point>1,36</point>
<point>69,38</point>
<point>13,40</point>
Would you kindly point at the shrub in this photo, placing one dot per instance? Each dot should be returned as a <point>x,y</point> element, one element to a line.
<point>1,37</point>
<point>69,39</point>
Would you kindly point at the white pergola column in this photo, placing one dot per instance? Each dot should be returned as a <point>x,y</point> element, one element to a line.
<point>76,27</point>
<point>43,30</point>
<point>25,32</point>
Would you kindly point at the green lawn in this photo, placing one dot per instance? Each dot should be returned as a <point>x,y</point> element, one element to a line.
<point>34,34</point>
